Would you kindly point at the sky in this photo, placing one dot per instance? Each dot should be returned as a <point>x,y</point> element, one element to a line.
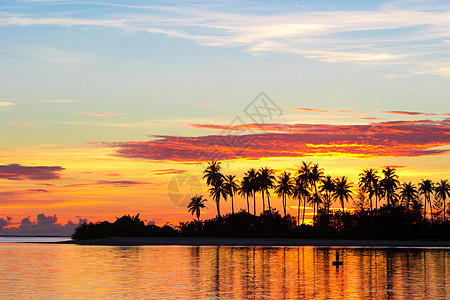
<point>113,107</point>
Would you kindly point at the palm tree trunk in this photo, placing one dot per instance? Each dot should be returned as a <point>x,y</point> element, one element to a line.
<point>425,208</point>
<point>298,212</point>
<point>342,203</point>
<point>284,204</point>
<point>248,205</point>
<point>264,205</point>
<point>218,206</point>
<point>304,209</point>
<point>232,204</point>
<point>443,199</point>
<point>268,200</point>
<point>254,203</point>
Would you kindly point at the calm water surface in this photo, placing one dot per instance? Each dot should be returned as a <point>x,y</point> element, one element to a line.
<point>36,271</point>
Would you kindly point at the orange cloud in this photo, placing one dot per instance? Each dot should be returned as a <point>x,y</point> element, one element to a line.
<point>306,109</point>
<point>19,172</point>
<point>397,138</point>
<point>169,171</point>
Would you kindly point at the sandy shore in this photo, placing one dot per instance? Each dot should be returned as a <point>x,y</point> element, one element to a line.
<point>199,241</point>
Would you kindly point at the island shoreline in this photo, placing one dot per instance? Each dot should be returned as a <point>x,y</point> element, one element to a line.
<point>256,242</point>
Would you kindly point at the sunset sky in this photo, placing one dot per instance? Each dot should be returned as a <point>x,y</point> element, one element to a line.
<point>106,105</point>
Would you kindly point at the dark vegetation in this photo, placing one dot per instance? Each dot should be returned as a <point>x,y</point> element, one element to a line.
<point>125,226</point>
<point>383,208</point>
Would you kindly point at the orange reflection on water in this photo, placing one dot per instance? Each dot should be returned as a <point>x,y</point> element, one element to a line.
<point>69,271</point>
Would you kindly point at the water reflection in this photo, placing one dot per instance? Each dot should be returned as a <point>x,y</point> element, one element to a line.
<point>63,271</point>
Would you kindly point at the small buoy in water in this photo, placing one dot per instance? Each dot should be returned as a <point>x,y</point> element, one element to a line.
<point>337,262</point>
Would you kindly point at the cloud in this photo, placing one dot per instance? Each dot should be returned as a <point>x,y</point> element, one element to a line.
<point>401,112</point>
<point>306,109</point>
<point>100,114</point>
<point>396,33</point>
<point>19,172</point>
<point>22,192</point>
<point>396,138</point>
<point>4,104</point>
<point>44,225</point>
<point>121,183</point>
<point>26,124</point>
<point>322,111</point>
<point>168,171</point>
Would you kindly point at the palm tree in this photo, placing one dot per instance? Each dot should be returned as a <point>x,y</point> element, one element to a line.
<point>245,190</point>
<point>266,179</point>
<point>327,188</point>
<point>212,172</point>
<point>284,188</point>
<point>390,183</point>
<point>252,176</point>
<point>300,192</point>
<point>197,202</point>
<point>214,179</point>
<point>442,191</point>
<point>408,193</point>
<point>342,190</point>
<point>367,180</point>
<point>316,175</point>
<point>315,199</point>
<point>218,190</point>
<point>231,187</point>
<point>304,181</point>
<point>426,188</point>
<point>378,191</point>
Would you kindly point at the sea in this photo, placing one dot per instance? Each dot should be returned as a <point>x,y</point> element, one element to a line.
<point>33,268</point>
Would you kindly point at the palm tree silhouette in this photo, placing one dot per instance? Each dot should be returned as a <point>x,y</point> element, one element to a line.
<point>315,199</point>
<point>303,182</point>
<point>367,180</point>
<point>316,176</point>
<point>197,202</point>
<point>245,190</point>
<point>442,191</point>
<point>266,179</point>
<point>231,186</point>
<point>218,190</point>
<point>301,193</point>
<point>252,176</point>
<point>378,191</point>
<point>214,179</point>
<point>342,190</point>
<point>408,193</point>
<point>284,188</point>
<point>426,188</point>
<point>327,188</point>
<point>390,183</point>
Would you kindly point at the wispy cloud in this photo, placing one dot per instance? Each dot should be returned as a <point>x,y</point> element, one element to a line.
<point>306,109</point>
<point>121,183</point>
<point>19,172</point>
<point>396,33</point>
<point>314,110</point>
<point>5,103</point>
<point>26,124</point>
<point>168,171</point>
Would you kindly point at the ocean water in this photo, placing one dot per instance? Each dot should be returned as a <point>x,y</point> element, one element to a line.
<point>63,271</point>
